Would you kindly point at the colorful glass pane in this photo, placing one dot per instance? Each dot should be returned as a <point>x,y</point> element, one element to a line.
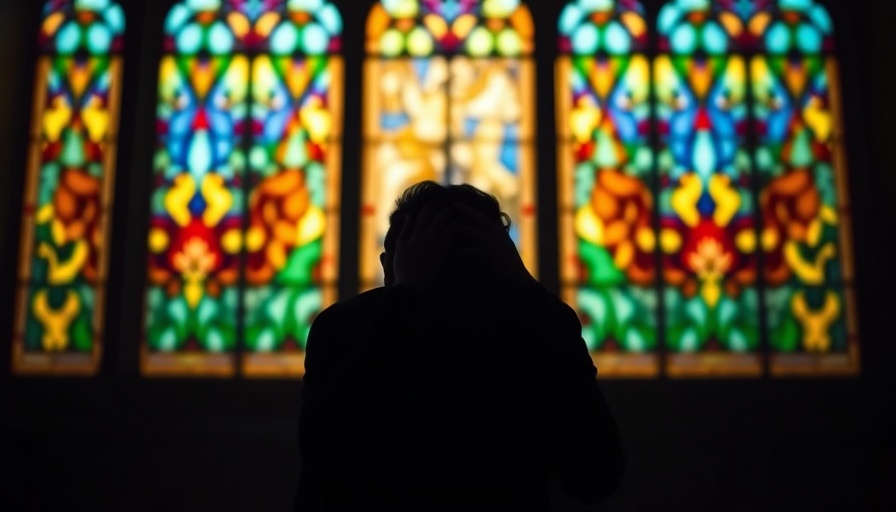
<point>805,217</point>
<point>245,202</point>
<point>459,112</point>
<point>607,264</point>
<point>63,263</point>
<point>706,207</point>
<point>197,205</point>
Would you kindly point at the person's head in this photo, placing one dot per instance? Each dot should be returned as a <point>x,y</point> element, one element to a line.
<point>412,201</point>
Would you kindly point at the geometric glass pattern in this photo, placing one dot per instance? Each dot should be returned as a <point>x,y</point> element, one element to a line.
<point>63,262</point>
<point>243,239</point>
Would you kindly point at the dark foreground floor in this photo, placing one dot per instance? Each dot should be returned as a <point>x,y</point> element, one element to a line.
<point>170,446</point>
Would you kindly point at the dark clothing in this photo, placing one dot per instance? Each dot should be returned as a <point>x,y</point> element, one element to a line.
<point>452,399</point>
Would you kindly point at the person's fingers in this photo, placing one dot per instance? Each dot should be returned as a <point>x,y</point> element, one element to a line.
<point>407,229</point>
<point>474,233</point>
<point>482,235</point>
<point>470,214</point>
<point>472,255</point>
<point>425,218</point>
<point>448,236</point>
<point>444,219</point>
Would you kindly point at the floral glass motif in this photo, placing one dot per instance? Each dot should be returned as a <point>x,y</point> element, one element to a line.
<point>706,200</point>
<point>244,208</point>
<point>608,267</point>
<point>448,97</point>
<point>800,161</point>
<point>69,192</point>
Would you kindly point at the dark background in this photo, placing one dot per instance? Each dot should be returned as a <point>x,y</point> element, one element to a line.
<point>120,442</point>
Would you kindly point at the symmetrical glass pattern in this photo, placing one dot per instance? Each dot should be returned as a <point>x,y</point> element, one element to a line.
<point>243,242</point>
<point>724,171</point>
<point>63,262</point>
<point>448,97</point>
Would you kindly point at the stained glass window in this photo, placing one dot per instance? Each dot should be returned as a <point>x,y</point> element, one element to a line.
<point>805,216</point>
<point>448,93</point>
<point>608,269</point>
<point>243,240</point>
<point>69,191</point>
<point>748,206</point>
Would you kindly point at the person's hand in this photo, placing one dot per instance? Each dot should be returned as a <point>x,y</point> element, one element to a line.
<point>423,246</point>
<point>491,244</point>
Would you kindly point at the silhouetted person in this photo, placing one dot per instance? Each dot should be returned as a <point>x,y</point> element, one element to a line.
<point>460,385</point>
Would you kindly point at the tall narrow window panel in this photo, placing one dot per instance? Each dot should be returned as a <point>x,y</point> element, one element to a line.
<point>448,97</point>
<point>608,270</point>
<point>706,201</point>
<point>63,263</point>
<point>800,159</point>
<point>243,241</point>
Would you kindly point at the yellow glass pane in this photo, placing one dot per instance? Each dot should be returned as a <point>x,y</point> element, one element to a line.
<point>406,101</point>
<point>487,99</point>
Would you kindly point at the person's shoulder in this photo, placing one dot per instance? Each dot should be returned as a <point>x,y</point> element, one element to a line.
<point>542,305</point>
<point>363,301</point>
<point>353,307</point>
<point>542,299</point>
<point>338,322</point>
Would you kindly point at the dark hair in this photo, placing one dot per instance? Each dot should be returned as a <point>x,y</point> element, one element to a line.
<point>420,194</point>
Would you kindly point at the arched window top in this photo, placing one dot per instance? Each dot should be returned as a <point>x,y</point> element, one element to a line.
<point>212,26</point>
<point>422,28</point>
<point>92,26</point>
<point>281,27</point>
<point>307,27</point>
<point>692,27</point>
<point>589,27</point>
<point>786,26</point>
